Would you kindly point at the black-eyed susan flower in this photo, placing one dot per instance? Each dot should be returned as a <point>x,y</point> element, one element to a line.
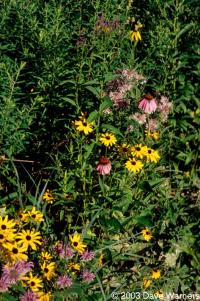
<point>16,251</point>
<point>139,151</point>
<point>134,165</point>
<point>124,149</point>
<point>48,197</point>
<point>29,238</point>
<point>135,35</point>
<point>33,282</point>
<point>75,267</point>
<point>159,294</point>
<point>108,139</point>
<point>48,270</point>
<point>45,256</point>
<point>23,215</point>
<point>154,135</point>
<point>76,243</point>
<point>146,282</point>
<point>101,260</point>
<point>36,215</point>
<point>6,236</point>
<point>152,155</point>
<point>6,224</point>
<point>155,274</point>
<point>146,233</point>
<point>82,125</point>
<point>45,296</point>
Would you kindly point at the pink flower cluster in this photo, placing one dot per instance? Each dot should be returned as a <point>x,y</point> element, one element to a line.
<point>118,87</point>
<point>13,273</point>
<point>149,104</point>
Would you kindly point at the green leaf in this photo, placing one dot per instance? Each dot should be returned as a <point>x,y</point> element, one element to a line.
<point>107,103</point>
<point>69,100</point>
<point>94,90</point>
<point>93,116</point>
<point>112,129</point>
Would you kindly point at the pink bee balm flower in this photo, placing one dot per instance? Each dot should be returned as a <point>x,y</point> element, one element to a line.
<point>87,276</point>
<point>104,166</point>
<point>148,104</point>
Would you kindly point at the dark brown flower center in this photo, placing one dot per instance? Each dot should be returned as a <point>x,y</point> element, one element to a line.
<point>147,233</point>
<point>104,161</point>
<point>84,123</point>
<point>149,151</point>
<point>138,149</point>
<point>28,237</point>
<point>33,215</point>
<point>3,227</point>
<point>148,97</point>
<point>1,236</point>
<point>133,163</point>
<point>107,137</point>
<point>46,270</point>
<point>15,251</point>
<point>32,283</point>
<point>124,149</point>
<point>75,244</point>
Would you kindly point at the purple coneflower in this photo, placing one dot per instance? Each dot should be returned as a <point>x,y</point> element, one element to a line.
<point>87,255</point>
<point>64,281</point>
<point>87,276</point>
<point>104,166</point>
<point>148,104</point>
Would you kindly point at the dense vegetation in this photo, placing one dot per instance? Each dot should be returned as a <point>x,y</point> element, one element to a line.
<point>99,149</point>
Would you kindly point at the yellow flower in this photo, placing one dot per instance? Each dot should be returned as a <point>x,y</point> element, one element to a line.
<point>23,215</point>
<point>108,139</point>
<point>159,294</point>
<point>6,224</point>
<point>16,252</point>
<point>33,282</point>
<point>139,151</point>
<point>135,35</point>
<point>6,236</point>
<point>36,215</point>
<point>155,274</point>
<point>101,260</point>
<point>146,282</point>
<point>29,238</point>
<point>124,149</point>
<point>152,155</point>
<point>48,270</point>
<point>83,126</point>
<point>45,256</point>
<point>154,135</point>
<point>45,296</point>
<point>146,233</point>
<point>134,165</point>
<point>74,267</point>
<point>48,197</point>
<point>76,243</point>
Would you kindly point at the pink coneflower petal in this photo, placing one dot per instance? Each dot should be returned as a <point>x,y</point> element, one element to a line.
<point>104,166</point>
<point>148,104</point>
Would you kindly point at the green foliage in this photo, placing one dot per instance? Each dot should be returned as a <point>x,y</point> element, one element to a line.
<point>59,62</point>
